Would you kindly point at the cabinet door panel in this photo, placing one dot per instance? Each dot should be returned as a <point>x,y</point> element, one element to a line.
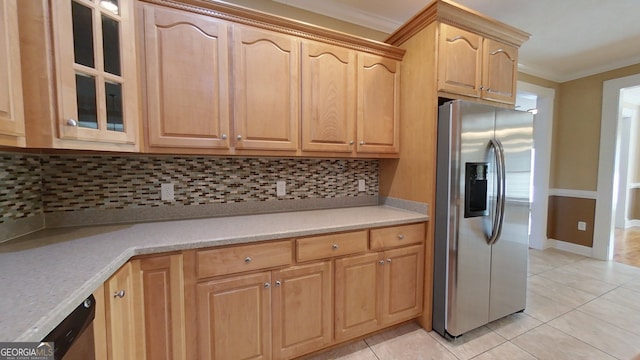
<point>96,71</point>
<point>378,104</point>
<point>328,98</point>
<point>302,313</point>
<point>267,90</point>
<point>159,281</point>
<point>11,105</point>
<point>187,79</point>
<point>499,74</point>
<point>357,295</point>
<point>403,283</point>
<point>459,61</point>
<point>121,329</point>
<point>234,318</point>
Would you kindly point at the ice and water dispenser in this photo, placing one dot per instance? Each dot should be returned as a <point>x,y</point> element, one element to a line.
<point>475,193</point>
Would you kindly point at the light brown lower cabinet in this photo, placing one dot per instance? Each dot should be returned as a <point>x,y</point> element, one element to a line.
<point>277,314</point>
<point>253,301</point>
<point>140,311</point>
<point>377,289</point>
<point>115,327</point>
<point>159,307</point>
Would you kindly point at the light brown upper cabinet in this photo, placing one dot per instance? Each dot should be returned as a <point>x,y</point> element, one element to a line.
<point>262,85</point>
<point>460,62</point>
<point>471,65</point>
<point>499,71</point>
<point>266,67</point>
<point>378,104</point>
<point>11,106</point>
<point>328,98</point>
<point>187,75</point>
<point>86,95</point>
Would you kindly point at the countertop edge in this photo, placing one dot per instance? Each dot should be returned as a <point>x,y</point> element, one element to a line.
<point>54,316</point>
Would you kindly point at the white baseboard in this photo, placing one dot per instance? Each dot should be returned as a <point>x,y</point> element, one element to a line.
<point>631,223</point>
<point>573,193</point>
<point>573,248</point>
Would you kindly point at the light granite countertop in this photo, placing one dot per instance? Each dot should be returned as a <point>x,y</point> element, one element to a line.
<point>45,275</point>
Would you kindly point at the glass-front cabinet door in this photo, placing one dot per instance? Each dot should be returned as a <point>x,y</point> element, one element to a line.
<point>96,67</point>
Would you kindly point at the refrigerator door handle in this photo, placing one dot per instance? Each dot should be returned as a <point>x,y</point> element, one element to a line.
<point>496,228</point>
<point>501,195</point>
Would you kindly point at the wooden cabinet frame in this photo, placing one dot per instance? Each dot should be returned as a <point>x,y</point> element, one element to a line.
<point>293,90</point>
<point>12,129</point>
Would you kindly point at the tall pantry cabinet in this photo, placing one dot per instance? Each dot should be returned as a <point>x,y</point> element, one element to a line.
<point>452,52</point>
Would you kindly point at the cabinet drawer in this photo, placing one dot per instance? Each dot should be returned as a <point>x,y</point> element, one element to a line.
<point>397,236</point>
<point>243,258</point>
<point>321,247</point>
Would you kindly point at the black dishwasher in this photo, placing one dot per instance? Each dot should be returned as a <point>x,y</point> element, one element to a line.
<point>73,337</point>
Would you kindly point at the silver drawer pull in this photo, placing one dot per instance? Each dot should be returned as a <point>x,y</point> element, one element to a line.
<point>362,142</point>
<point>247,260</point>
<point>335,246</point>
<point>224,136</point>
<point>267,285</point>
<point>119,294</point>
<point>239,137</point>
<point>389,260</point>
<point>381,262</point>
<point>400,236</point>
<point>278,283</point>
<point>72,122</point>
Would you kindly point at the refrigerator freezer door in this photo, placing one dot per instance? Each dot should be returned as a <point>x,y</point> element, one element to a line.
<point>510,253</point>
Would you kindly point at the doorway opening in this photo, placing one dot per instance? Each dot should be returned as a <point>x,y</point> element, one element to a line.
<point>542,97</point>
<point>627,180</point>
<point>612,172</point>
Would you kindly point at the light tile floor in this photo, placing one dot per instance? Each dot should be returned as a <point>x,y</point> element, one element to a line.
<point>577,308</point>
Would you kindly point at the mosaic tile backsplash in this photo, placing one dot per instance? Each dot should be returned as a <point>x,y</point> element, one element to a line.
<point>20,186</point>
<point>73,183</point>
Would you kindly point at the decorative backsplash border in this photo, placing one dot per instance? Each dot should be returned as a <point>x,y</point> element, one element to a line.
<point>72,183</point>
<point>68,190</point>
<point>20,187</point>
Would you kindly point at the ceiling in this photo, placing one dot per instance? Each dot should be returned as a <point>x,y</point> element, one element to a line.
<point>570,39</point>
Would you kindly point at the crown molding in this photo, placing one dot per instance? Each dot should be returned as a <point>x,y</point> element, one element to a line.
<point>242,15</point>
<point>448,12</point>
<point>345,12</point>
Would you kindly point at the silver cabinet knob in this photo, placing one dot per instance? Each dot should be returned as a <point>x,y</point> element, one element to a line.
<point>239,137</point>
<point>267,285</point>
<point>381,262</point>
<point>400,236</point>
<point>351,142</point>
<point>72,122</point>
<point>247,260</point>
<point>362,142</point>
<point>278,283</point>
<point>224,136</point>
<point>119,294</point>
<point>334,246</point>
<point>389,260</point>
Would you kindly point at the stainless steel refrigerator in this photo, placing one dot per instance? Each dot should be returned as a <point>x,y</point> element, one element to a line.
<point>481,215</point>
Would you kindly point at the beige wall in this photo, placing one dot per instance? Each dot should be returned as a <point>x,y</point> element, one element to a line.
<point>634,205</point>
<point>576,140</point>
<point>634,146</point>
<point>291,12</point>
